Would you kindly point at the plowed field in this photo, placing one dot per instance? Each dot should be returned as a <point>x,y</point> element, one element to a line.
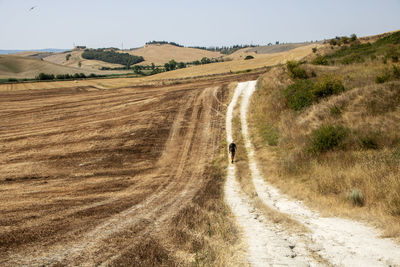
<point>87,174</point>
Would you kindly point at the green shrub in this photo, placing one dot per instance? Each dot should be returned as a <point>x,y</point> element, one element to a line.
<point>295,70</point>
<point>345,40</point>
<point>320,60</point>
<point>314,49</point>
<point>356,198</point>
<point>303,93</point>
<point>181,65</point>
<point>333,42</point>
<point>327,137</point>
<point>248,57</point>
<point>381,78</point>
<point>67,56</point>
<point>299,95</point>
<point>327,86</point>
<point>12,80</point>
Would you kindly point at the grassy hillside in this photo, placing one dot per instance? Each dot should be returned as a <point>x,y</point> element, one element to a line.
<point>28,67</point>
<point>329,132</point>
<point>76,58</point>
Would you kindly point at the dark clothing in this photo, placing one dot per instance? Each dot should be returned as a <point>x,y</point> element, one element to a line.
<point>232,147</point>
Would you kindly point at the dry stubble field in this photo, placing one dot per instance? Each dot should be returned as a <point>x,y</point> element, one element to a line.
<point>98,176</point>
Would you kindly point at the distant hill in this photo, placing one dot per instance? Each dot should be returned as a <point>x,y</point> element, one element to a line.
<point>162,53</point>
<point>27,67</point>
<point>51,50</point>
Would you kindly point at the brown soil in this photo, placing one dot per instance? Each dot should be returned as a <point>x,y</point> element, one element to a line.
<point>92,176</point>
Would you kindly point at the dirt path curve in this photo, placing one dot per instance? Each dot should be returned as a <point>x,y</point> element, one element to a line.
<point>340,241</point>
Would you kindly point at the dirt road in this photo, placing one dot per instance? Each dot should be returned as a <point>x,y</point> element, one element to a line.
<point>89,174</point>
<point>335,241</point>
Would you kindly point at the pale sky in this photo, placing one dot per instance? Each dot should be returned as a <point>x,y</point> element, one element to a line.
<point>101,23</point>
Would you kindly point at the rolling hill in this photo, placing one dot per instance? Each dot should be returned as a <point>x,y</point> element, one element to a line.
<point>160,54</point>
<point>29,67</point>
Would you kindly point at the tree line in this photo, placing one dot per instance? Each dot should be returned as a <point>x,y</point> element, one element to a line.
<point>112,57</point>
<point>163,43</point>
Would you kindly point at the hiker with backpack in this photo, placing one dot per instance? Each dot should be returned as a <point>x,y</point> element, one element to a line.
<point>232,150</point>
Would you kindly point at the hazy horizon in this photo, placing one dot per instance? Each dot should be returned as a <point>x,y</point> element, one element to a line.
<point>61,24</point>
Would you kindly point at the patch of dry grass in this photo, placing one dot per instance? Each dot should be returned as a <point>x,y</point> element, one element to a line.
<point>160,54</point>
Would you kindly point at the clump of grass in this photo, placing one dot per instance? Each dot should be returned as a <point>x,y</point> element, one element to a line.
<point>382,78</point>
<point>335,111</point>
<point>269,134</point>
<point>369,141</point>
<point>356,198</point>
<point>396,71</point>
<point>327,137</point>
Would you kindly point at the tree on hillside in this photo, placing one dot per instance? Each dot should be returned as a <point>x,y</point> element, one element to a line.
<point>171,65</point>
<point>181,65</point>
<point>112,57</point>
<point>205,60</point>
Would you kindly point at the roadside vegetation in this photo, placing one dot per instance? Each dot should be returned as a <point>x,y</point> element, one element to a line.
<point>329,132</point>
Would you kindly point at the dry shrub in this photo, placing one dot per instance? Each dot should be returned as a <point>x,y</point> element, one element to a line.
<point>356,197</point>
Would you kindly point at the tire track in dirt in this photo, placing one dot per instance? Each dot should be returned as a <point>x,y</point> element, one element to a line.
<point>341,241</point>
<point>267,244</point>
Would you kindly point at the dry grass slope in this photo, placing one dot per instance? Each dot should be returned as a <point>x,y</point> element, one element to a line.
<point>160,54</point>
<point>366,160</point>
<point>26,67</point>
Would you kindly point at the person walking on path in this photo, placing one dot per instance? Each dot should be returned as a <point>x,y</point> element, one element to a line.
<point>232,150</point>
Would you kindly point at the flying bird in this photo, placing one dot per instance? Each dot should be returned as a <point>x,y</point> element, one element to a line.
<point>32,8</point>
